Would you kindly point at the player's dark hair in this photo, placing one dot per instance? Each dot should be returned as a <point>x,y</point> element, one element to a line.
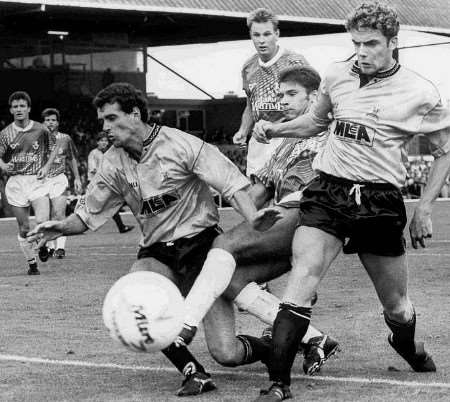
<point>19,95</point>
<point>262,15</point>
<point>307,77</point>
<point>126,95</point>
<point>50,112</point>
<point>374,15</point>
<point>100,135</point>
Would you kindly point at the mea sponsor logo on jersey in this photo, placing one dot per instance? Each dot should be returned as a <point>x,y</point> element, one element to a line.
<point>352,132</point>
<point>158,203</point>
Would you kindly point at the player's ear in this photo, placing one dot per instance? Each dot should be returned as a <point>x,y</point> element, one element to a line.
<point>312,96</point>
<point>393,43</point>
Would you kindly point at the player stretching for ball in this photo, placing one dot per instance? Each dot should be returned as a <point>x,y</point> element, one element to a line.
<point>57,180</point>
<point>163,175</point>
<point>261,256</point>
<point>25,154</point>
<point>375,106</point>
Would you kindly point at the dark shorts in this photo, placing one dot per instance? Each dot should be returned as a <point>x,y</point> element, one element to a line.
<point>185,257</point>
<point>375,226</point>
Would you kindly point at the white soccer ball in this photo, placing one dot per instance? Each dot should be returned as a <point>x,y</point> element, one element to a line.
<point>144,311</point>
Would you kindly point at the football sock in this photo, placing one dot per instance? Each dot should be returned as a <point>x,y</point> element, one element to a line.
<point>255,349</point>
<point>182,359</point>
<point>61,242</point>
<point>27,249</point>
<point>265,305</point>
<point>403,333</point>
<point>289,327</point>
<point>212,281</point>
<point>118,220</point>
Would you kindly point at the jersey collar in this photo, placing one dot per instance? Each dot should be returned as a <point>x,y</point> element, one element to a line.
<point>364,78</point>
<point>152,132</point>
<point>28,127</point>
<point>273,60</point>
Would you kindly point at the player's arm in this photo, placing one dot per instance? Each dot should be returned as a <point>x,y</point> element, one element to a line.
<point>4,167</point>
<point>219,172</point>
<point>50,230</point>
<point>246,126</point>
<point>74,166</point>
<point>421,224</point>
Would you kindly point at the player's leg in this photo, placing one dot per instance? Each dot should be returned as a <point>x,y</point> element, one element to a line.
<point>390,278</point>
<point>223,344</point>
<point>120,225</point>
<point>58,212</point>
<point>246,294</point>
<point>23,221</point>
<point>313,250</point>
<point>41,208</point>
<point>197,380</point>
<point>240,245</point>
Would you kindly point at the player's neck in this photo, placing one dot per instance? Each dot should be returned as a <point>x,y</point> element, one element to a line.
<point>22,123</point>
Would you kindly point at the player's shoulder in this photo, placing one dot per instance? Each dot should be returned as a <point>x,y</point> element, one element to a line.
<point>294,57</point>
<point>419,84</point>
<point>250,63</point>
<point>37,126</point>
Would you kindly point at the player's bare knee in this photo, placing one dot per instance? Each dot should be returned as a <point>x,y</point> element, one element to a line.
<point>223,355</point>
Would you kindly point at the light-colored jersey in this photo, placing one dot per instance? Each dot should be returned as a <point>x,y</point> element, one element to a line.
<point>289,169</point>
<point>260,83</point>
<point>95,159</point>
<point>372,124</point>
<point>26,149</point>
<point>167,191</point>
<point>66,152</point>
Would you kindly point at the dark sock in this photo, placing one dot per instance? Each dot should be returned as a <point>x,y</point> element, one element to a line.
<point>290,326</point>
<point>256,349</point>
<point>403,333</point>
<point>118,220</point>
<point>182,359</point>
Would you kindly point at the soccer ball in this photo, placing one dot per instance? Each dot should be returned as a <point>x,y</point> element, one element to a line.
<point>144,311</point>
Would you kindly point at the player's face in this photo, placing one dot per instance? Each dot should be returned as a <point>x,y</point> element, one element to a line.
<point>20,109</point>
<point>265,39</point>
<point>119,126</point>
<point>102,143</point>
<point>294,99</point>
<point>373,50</point>
<point>51,122</point>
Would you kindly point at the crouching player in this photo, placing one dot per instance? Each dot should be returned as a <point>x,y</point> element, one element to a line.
<point>163,175</point>
<point>261,256</point>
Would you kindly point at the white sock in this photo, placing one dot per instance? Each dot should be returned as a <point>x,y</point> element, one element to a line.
<point>61,242</point>
<point>212,281</point>
<point>265,305</point>
<point>27,248</point>
<point>51,244</point>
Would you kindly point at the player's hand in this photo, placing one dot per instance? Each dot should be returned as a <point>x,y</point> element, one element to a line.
<point>421,226</point>
<point>42,173</point>
<point>6,167</point>
<point>45,232</point>
<point>261,131</point>
<point>265,218</point>
<point>78,186</point>
<point>240,138</point>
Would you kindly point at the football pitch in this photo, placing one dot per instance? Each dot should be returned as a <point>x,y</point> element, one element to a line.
<point>54,346</point>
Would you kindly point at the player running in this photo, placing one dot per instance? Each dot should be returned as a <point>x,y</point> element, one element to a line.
<point>57,180</point>
<point>375,106</point>
<point>25,155</point>
<point>260,82</point>
<point>261,256</point>
<point>163,175</point>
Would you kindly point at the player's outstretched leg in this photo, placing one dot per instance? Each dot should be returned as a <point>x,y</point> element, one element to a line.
<point>402,341</point>
<point>196,379</point>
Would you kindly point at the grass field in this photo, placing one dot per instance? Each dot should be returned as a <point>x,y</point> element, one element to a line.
<point>54,347</point>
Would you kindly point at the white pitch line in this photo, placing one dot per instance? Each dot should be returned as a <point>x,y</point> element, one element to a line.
<point>240,373</point>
